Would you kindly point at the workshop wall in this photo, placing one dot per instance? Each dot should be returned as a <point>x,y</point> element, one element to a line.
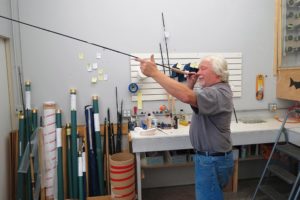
<point>55,64</point>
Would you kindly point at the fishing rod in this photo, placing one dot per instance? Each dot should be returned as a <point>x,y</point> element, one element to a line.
<point>166,43</point>
<point>119,124</point>
<point>90,43</point>
<point>21,89</point>
<point>162,58</point>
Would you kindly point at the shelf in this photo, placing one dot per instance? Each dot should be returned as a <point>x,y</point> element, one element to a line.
<point>252,158</point>
<point>167,165</point>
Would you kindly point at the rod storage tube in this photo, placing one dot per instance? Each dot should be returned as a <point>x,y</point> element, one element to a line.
<point>80,178</point>
<point>69,161</point>
<point>99,151</point>
<point>74,142</point>
<point>34,119</point>
<point>28,95</point>
<point>28,132</point>
<point>60,177</point>
<point>20,177</point>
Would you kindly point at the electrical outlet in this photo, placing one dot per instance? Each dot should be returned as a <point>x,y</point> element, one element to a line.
<point>272,107</point>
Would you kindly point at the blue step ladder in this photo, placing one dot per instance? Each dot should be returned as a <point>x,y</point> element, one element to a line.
<point>275,169</point>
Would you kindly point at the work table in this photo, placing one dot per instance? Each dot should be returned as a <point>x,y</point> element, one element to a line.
<point>242,133</point>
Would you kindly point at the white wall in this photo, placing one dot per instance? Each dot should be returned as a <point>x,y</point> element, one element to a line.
<point>51,62</point>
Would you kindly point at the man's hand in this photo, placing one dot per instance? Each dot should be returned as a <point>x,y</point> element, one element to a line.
<point>191,79</point>
<point>148,67</point>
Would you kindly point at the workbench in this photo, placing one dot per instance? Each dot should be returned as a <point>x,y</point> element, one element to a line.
<point>243,133</point>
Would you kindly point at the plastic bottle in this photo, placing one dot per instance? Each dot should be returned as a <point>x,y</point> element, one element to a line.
<point>182,118</point>
<point>181,115</point>
<point>149,120</point>
<point>154,122</point>
<point>243,151</point>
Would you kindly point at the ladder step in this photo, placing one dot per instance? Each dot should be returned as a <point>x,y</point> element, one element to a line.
<point>272,193</point>
<point>290,150</point>
<point>283,174</point>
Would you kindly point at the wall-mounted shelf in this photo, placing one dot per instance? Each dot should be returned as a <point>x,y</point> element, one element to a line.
<point>287,49</point>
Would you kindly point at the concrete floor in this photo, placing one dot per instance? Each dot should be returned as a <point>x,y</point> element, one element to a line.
<point>245,191</point>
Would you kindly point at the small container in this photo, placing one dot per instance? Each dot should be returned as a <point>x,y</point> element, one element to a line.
<point>154,123</point>
<point>175,124</point>
<point>181,115</point>
<point>243,151</point>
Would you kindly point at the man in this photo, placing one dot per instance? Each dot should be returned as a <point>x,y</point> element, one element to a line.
<point>210,125</point>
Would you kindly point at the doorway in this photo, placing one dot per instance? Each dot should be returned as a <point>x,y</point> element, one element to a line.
<point>5,118</point>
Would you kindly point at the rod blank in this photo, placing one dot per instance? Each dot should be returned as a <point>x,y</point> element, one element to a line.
<point>90,43</point>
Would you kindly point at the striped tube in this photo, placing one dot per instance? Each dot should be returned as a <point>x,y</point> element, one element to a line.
<point>60,177</point>
<point>74,143</point>
<point>49,134</point>
<point>69,161</point>
<point>99,152</point>
<point>27,95</point>
<point>20,178</point>
<point>84,170</point>
<point>80,178</point>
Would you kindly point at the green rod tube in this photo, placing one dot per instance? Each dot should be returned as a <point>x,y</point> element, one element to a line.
<point>69,161</point>
<point>58,118</point>
<point>60,177</point>
<point>74,142</point>
<point>99,151</point>
<point>74,152</point>
<point>20,177</point>
<point>28,133</point>
<point>34,119</point>
<point>28,95</point>
<point>84,171</point>
<point>80,178</point>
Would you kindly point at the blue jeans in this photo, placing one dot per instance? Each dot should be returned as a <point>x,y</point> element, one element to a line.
<point>212,175</point>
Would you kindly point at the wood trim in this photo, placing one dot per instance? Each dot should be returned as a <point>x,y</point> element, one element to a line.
<point>235,176</point>
<point>288,69</point>
<point>82,131</point>
<point>276,39</point>
<point>279,42</point>
<point>13,118</point>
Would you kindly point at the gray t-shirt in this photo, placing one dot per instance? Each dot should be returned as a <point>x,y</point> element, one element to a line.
<point>210,125</point>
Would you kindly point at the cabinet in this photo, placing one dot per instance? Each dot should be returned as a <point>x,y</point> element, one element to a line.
<point>287,49</point>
